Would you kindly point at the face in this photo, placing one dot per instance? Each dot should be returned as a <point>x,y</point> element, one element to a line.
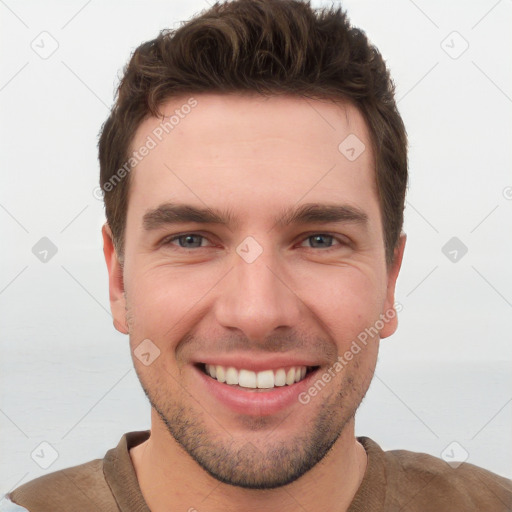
<point>254,255</point>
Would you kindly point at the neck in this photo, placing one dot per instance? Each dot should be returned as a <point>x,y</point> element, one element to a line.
<point>170,479</point>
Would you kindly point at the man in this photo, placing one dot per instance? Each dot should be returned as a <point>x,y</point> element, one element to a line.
<point>254,169</point>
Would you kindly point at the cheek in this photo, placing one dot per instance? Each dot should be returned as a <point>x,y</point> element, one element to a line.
<point>163,299</point>
<point>346,300</point>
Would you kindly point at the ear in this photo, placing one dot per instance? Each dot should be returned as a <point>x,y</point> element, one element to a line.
<point>390,312</point>
<point>115,281</point>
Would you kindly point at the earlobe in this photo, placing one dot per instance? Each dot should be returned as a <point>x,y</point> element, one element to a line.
<point>390,313</point>
<point>115,281</point>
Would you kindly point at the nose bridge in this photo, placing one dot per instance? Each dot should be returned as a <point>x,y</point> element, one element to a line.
<point>256,299</point>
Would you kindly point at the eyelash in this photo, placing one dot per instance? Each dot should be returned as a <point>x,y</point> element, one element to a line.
<point>341,242</point>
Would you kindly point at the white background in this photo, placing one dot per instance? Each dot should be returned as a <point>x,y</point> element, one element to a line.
<point>66,374</point>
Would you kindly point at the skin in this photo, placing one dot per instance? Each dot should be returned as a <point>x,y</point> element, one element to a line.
<point>301,297</point>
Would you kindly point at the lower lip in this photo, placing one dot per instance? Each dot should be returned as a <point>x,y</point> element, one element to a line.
<point>255,402</point>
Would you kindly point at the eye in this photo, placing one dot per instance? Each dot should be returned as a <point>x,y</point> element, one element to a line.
<point>186,241</point>
<point>323,241</point>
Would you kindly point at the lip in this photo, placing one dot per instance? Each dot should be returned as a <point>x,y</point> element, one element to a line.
<point>254,402</point>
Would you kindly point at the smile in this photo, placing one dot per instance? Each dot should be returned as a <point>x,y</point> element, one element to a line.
<point>266,379</point>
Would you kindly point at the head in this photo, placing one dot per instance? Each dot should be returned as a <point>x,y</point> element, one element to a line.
<point>254,168</point>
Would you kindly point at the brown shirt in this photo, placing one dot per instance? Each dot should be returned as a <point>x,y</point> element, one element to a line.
<point>394,481</point>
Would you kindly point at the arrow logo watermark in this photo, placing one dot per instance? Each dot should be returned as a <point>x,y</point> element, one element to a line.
<point>454,249</point>
<point>44,250</point>
<point>146,352</point>
<point>249,250</point>
<point>44,455</point>
<point>352,147</point>
<point>455,454</point>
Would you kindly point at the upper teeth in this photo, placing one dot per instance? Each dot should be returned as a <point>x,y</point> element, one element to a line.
<point>249,379</point>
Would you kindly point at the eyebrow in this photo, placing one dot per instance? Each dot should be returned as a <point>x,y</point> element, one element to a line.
<point>310,213</point>
<point>169,213</point>
<point>314,213</point>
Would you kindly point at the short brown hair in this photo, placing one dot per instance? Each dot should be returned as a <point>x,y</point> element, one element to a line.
<point>269,47</point>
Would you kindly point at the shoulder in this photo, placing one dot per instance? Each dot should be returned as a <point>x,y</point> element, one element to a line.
<point>434,484</point>
<point>82,487</point>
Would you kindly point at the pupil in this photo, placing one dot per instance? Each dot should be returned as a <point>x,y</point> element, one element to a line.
<point>320,239</point>
<point>189,240</point>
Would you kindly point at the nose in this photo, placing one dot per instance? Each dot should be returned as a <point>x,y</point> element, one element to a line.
<point>257,298</point>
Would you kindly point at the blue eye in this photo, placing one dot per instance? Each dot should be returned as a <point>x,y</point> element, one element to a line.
<point>196,241</point>
<point>188,241</point>
<point>320,241</point>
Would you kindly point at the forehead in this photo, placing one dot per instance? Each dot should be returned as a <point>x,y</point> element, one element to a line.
<point>252,153</point>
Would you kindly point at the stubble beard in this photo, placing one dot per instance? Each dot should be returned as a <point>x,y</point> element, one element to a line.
<point>259,464</point>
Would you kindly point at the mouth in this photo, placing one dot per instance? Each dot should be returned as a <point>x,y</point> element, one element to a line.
<point>253,386</point>
<point>263,380</point>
